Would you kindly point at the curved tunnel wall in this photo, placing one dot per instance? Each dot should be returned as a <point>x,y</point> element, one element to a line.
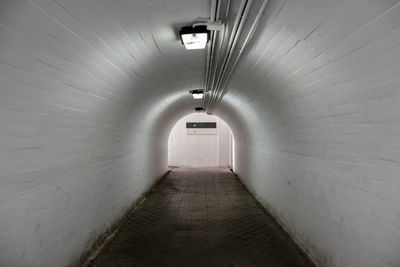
<point>84,101</point>
<point>318,94</point>
<point>90,90</point>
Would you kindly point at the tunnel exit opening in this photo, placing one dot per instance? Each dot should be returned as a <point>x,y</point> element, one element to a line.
<point>201,140</point>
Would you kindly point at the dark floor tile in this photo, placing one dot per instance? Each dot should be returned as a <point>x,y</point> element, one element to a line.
<point>200,217</point>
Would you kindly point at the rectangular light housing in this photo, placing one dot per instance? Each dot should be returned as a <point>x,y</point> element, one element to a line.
<point>194,37</point>
<point>197,94</point>
<point>194,40</point>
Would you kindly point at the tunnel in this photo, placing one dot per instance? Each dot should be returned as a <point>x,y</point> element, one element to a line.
<point>200,140</point>
<point>90,91</point>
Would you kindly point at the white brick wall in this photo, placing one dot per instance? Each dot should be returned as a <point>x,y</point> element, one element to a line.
<point>89,91</point>
<point>86,97</point>
<point>318,94</point>
<point>212,147</point>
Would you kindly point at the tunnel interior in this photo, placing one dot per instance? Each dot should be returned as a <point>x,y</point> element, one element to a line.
<point>200,140</point>
<point>90,91</point>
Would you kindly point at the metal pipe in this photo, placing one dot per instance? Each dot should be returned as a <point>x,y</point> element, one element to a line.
<point>210,47</point>
<point>214,44</point>
<point>245,43</point>
<point>237,36</point>
<point>227,52</point>
<point>219,50</point>
<point>233,42</point>
<point>215,10</point>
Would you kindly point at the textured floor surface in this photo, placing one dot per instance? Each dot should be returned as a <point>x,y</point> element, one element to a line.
<point>200,217</point>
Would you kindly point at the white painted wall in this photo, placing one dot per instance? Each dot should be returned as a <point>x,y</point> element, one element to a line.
<point>85,97</point>
<point>89,91</point>
<point>321,139</point>
<point>198,150</point>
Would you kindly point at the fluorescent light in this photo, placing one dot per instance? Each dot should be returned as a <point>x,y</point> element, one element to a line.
<point>194,40</point>
<point>194,37</point>
<point>198,96</point>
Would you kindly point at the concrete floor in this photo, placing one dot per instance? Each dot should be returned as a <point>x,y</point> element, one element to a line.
<point>200,217</point>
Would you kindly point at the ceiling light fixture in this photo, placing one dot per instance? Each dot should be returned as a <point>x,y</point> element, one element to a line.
<point>197,94</point>
<point>194,37</point>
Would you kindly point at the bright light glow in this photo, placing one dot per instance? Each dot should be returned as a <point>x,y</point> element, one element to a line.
<point>194,40</point>
<point>198,96</point>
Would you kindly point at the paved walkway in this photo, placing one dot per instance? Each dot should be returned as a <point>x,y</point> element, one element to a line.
<point>200,217</point>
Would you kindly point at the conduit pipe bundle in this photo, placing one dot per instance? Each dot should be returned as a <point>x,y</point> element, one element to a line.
<point>222,67</point>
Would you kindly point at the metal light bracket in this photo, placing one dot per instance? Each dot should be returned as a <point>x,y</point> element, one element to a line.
<point>211,26</point>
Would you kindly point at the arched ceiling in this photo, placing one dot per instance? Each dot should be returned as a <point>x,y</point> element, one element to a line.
<point>102,49</point>
<point>90,86</point>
